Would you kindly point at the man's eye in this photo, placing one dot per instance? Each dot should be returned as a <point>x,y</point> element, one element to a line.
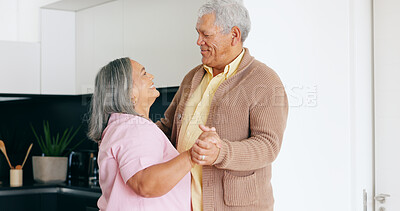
<point>144,73</point>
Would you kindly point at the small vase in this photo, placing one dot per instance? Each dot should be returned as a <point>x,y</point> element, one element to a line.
<point>48,169</point>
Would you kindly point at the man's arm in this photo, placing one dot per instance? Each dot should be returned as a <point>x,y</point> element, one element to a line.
<point>267,124</point>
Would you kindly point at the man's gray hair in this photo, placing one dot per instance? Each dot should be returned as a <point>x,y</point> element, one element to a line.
<point>112,94</point>
<point>228,13</point>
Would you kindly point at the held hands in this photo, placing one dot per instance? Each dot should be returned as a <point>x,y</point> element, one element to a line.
<point>206,148</point>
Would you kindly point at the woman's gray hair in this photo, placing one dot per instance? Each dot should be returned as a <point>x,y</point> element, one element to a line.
<point>112,94</point>
<point>228,13</point>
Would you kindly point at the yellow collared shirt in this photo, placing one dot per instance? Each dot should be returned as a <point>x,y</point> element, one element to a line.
<point>196,112</point>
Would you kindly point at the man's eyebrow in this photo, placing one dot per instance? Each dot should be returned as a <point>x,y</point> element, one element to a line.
<point>142,70</point>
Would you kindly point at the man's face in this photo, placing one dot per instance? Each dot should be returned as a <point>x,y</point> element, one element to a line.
<point>215,46</point>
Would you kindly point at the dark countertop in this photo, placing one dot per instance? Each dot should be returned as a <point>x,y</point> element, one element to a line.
<point>62,188</point>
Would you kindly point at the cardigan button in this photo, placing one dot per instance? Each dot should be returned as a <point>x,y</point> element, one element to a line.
<point>179,116</point>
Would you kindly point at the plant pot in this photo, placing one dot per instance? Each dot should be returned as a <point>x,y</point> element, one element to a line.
<point>48,169</point>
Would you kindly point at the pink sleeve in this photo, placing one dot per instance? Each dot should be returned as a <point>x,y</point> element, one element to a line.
<point>137,148</point>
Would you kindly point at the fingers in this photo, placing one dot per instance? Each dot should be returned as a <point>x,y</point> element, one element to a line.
<point>198,158</point>
<point>198,150</point>
<point>216,141</point>
<point>210,137</point>
<point>206,148</point>
<point>209,134</point>
<point>206,144</point>
<point>204,153</point>
<point>206,129</point>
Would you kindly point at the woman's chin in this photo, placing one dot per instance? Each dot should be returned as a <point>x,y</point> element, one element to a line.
<point>156,93</point>
<point>153,99</point>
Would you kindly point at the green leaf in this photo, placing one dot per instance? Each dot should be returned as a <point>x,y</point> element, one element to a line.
<point>55,145</point>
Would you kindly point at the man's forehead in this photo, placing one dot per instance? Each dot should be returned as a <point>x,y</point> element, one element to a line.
<point>204,24</point>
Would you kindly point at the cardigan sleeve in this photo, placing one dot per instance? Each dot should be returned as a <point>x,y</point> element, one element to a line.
<point>267,124</point>
<point>166,123</point>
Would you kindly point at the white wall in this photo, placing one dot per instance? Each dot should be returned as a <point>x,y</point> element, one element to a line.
<point>322,52</point>
<point>387,101</point>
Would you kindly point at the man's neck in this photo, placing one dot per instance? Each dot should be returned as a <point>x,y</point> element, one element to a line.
<point>235,54</point>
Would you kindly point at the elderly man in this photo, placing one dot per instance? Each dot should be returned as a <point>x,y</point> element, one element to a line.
<point>244,105</point>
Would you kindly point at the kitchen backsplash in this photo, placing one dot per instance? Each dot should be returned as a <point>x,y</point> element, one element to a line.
<point>17,112</point>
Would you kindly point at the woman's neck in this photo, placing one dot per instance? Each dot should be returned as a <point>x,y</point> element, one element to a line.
<point>143,110</point>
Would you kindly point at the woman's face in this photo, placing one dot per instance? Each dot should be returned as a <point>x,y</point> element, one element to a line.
<point>144,91</point>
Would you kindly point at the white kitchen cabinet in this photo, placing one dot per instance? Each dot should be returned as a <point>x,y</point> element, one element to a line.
<point>78,39</point>
<point>9,20</point>
<point>158,34</point>
<point>58,52</point>
<point>99,39</point>
<point>161,35</point>
<point>19,19</point>
<point>75,44</point>
<point>20,67</point>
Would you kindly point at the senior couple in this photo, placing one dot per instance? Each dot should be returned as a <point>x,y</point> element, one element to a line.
<point>226,124</point>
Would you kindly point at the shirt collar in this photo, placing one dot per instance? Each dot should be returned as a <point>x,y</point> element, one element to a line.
<point>230,68</point>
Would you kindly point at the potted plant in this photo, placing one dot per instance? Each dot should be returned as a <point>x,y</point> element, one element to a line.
<point>52,166</point>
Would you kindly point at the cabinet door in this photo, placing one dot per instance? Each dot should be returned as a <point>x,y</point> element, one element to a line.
<point>58,52</point>
<point>67,202</point>
<point>32,202</point>
<point>20,67</point>
<point>99,40</point>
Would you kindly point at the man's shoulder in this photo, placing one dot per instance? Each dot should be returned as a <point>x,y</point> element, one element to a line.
<point>189,76</point>
<point>261,71</point>
<point>194,70</point>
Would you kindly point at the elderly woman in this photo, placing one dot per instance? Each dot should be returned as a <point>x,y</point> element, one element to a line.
<point>139,167</point>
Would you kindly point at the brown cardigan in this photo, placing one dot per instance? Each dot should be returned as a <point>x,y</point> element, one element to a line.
<point>249,111</point>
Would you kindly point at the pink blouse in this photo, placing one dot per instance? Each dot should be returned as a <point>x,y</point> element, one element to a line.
<point>130,144</point>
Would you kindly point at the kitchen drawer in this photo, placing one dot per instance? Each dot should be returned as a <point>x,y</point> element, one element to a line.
<point>32,202</point>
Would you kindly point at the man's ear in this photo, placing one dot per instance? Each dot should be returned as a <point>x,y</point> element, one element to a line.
<point>236,36</point>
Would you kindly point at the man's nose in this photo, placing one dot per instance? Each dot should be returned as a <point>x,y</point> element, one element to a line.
<point>200,41</point>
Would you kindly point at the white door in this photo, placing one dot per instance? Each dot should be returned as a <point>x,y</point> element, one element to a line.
<point>387,104</point>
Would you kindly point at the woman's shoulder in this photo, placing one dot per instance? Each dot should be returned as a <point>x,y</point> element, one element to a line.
<point>128,121</point>
<point>126,128</point>
<point>129,125</point>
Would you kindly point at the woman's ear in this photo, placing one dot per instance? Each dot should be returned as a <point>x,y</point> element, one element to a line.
<point>134,100</point>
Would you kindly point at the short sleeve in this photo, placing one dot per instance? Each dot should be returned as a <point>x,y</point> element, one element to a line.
<point>137,147</point>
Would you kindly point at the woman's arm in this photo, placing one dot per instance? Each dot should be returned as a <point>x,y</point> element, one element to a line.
<point>159,179</point>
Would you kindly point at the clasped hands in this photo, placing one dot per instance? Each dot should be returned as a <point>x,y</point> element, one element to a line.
<point>206,148</point>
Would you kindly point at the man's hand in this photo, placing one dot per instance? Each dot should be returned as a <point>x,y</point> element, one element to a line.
<point>206,148</point>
